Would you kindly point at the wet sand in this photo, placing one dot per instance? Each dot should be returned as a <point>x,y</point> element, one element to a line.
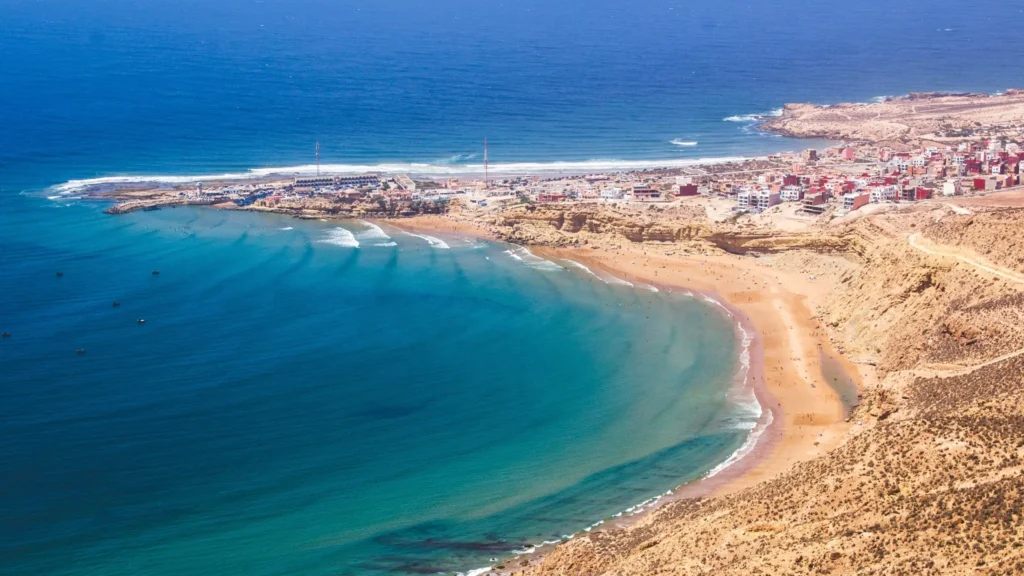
<point>809,413</point>
<point>792,359</point>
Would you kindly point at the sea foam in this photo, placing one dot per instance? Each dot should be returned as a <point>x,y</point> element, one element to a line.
<point>375,235</point>
<point>433,241</point>
<point>754,117</point>
<point>749,410</point>
<point>419,169</point>
<point>528,258</point>
<point>340,237</point>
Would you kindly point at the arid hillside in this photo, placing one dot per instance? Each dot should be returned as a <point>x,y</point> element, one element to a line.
<point>929,480</point>
<point>922,116</point>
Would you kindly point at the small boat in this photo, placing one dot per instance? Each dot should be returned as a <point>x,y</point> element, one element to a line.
<point>59,274</point>
<point>6,335</point>
<point>80,351</point>
<point>116,304</point>
<point>156,272</point>
<point>141,321</point>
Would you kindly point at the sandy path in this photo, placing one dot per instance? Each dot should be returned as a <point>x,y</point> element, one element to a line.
<point>949,252</point>
<point>948,371</point>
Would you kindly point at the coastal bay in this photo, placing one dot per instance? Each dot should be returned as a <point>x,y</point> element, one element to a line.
<point>575,288</point>
<point>351,334</point>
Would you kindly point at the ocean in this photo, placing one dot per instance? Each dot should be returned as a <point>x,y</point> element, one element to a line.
<point>312,397</point>
<point>315,398</point>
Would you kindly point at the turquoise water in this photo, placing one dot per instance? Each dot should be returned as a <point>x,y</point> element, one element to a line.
<point>294,405</point>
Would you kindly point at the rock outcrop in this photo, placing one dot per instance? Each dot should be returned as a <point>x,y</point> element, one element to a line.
<point>931,116</point>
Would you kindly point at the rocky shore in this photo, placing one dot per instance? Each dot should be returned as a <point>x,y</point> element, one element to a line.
<point>908,120</point>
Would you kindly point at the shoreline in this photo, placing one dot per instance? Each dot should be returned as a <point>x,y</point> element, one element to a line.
<point>803,417</point>
<point>415,169</point>
<point>787,382</point>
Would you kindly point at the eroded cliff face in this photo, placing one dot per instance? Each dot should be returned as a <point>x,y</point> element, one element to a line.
<point>368,208</point>
<point>559,225</point>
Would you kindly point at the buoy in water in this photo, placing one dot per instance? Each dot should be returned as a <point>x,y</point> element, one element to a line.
<point>80,351</point>
<point>59,274</point>
<point>141,321</point>
<point>116,304</point>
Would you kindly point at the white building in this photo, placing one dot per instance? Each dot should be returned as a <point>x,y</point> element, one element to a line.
<point>757,200</point>
<point>792,194</point>
<point>952,187</point>
<point>854,200</point>
<point>609,193</point>
<point>881,194</point>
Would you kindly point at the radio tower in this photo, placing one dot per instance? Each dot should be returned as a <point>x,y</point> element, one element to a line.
<point>317,158</point>
<point>486,183</point>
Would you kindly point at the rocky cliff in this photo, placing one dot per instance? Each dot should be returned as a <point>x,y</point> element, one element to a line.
<point>561,224</point>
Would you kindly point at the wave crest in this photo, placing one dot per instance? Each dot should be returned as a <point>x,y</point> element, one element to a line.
<point>418,169</point>
<point>340,237</point>
<point>754,117</point>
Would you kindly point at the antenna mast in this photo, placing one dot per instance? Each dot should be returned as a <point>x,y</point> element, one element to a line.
<point>317,158</point>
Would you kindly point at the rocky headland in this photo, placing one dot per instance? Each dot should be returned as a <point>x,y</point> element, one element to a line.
<point>907,120</point>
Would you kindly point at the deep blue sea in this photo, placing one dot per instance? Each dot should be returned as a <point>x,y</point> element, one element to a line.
<point>298,404</point>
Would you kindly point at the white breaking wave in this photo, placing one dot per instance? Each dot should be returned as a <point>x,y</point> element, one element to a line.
<point>530,259</point>
<point>475,572</point>
<point>750,409</point>
<point>286,228</point>
<point>747,447</point>
<point>754,117</point>
<point>679,142</point>
<point>619,281</point>
<point>711,300</point>
<point>576,264</point>
<point>434,242</point>
<point>340,237</point>
<point>417,169</point>
<point>374,234</point>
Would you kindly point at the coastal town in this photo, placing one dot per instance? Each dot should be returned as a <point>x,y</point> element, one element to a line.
<point>925,146</point>
<point>889,259</point>
<point>831,183</point>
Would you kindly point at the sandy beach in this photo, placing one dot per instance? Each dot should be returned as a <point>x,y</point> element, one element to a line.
<point>808,418</point>
<point>804,415</point>
<point>808,415</point>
